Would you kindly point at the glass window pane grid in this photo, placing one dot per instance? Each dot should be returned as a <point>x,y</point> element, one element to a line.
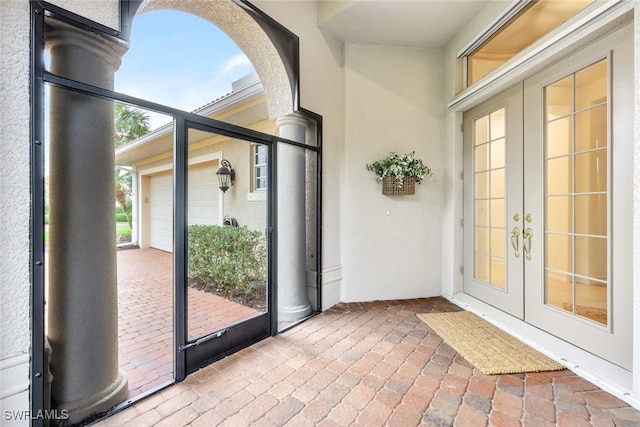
<point>489,136</point>
<point>259,167</point>
<point>572,306</point>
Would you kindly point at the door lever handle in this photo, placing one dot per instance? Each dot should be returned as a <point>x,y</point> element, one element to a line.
<point>526,243</point>
<point>515,241</point>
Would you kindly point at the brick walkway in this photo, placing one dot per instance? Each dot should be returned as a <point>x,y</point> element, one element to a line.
<point>145,316</point>
<point>371,364</point>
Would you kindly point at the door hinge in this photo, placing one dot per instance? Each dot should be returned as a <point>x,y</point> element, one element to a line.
<point>461,126</point>
<point>462,269</point>
<point>461,222</point>
<point>462,175</point>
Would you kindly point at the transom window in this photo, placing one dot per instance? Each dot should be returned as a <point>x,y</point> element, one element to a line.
<point>519,28</point>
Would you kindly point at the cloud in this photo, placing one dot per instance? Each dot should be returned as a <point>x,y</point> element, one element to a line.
<point>236,61</point>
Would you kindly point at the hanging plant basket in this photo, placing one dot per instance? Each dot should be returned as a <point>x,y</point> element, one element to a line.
<point>392,186</point>
<point>399,174</point>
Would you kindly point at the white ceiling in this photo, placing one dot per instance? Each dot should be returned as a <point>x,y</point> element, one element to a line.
<point>427,24</point>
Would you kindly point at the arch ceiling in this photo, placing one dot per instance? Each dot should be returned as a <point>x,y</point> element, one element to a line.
<point>249,36</point>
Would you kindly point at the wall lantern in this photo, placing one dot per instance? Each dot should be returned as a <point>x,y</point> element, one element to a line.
<point>226,175</point>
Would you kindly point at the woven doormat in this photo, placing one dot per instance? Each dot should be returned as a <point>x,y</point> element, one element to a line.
<point>487,347</point>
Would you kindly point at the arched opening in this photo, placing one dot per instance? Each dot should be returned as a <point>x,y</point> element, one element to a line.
<point>236,20</point>
<point>275,200</point>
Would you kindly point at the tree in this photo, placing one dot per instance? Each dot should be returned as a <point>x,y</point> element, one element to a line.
<point>130,124</point>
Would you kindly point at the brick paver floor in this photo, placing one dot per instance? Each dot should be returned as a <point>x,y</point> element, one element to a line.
<point>371,364</point>
<point>145,316</point>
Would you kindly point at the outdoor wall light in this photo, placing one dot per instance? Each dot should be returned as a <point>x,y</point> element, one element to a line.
<point>226,175</point>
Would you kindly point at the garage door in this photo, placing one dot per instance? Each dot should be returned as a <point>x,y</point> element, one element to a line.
<point>204,194</point>
<point>161,212</point>
<point>203,203</point>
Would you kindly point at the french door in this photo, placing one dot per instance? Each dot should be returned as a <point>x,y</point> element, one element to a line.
<point>557,252</point>
<point>494,201</point>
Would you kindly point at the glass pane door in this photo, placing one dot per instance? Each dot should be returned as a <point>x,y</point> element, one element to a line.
<point>493,202</point>
<point>576,199</point>
<point>579,157</point>
<point>227,241</point>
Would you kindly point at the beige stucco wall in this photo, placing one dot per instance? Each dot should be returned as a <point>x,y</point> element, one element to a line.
<point>391,244</point>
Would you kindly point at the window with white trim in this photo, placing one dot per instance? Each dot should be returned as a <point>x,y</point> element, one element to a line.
<point>259,161</point>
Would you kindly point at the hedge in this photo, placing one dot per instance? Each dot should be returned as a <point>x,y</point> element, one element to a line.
<point>230,258</point>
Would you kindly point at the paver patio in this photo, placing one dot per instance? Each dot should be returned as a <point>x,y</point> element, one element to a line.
<point>371,364</point>
<point>145,316</point>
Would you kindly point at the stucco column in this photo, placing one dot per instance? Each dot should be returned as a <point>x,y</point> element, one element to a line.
<point>292,272</point>
<point>82,302</point>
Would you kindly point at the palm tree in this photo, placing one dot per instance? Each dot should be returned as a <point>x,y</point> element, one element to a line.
<point>130,124</point>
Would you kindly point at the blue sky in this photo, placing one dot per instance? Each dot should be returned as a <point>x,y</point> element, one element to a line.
<point>180,60</point>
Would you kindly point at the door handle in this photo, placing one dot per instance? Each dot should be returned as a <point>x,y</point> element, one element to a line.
<point>526,243</point>
<point>515,241</point>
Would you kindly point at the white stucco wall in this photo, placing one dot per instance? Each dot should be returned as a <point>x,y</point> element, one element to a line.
<point>636,210</point>
<point>14,206</point>
<point>452,150</point>
<point>103,12</point>
<point>393,102</point>
<point>321,91</point>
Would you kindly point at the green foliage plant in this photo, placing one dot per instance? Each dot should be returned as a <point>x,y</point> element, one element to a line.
<point>400,166</point>
<point>227,258</point>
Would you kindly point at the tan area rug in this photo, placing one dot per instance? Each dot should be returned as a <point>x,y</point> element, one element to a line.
<point>487,347</point>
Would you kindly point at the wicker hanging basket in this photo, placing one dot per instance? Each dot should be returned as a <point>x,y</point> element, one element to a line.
<point>391,186</point>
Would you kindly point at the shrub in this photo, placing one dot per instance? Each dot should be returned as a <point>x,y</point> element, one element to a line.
<point>227,258</point>
<point>121,217</point>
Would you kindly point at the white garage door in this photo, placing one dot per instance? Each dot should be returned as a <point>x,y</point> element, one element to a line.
<point>204,195</point>
<point>203,200</point>
<point>161,212</point>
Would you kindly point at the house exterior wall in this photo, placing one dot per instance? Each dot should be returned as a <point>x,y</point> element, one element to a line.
<point>452,150</point>
<point>14,207</point>
<point>321,91</point>
<point>636,209</point>
<point>341,85</point>
<point>239,202</point>
<point>391,244</point>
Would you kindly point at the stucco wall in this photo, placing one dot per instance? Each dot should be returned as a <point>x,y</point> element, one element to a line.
<point>452,150</point>
<point>636,210</point>
<point>391,244</point>
<point>103,12</point>
<point>321,91</point>
<point>14,206</point>
<point>14,179</point>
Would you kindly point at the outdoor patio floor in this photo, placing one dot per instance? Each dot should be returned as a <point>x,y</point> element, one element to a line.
<point>371,364</point>
<point>145,316</point>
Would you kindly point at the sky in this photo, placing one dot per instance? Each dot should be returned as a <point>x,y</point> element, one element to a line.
<point>180,60</point>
